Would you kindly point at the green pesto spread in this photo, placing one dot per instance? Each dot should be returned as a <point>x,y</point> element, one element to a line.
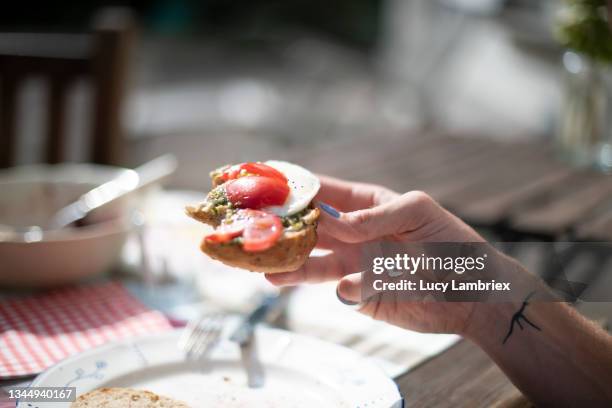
<point>219,205</point>
<point>295,222</point>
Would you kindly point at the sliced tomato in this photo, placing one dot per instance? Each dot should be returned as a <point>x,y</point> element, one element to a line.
<point>256,192</point>
<point>262,231</point>
<point>262,169</point>
<point>231,173</point>
<point>252,169</point>
<point>227,231</point>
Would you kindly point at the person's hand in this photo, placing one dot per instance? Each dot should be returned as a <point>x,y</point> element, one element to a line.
<point>355,214</point>
<point>541,344</point>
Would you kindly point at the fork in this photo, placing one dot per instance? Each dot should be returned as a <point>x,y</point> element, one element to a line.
<point>201,334</point>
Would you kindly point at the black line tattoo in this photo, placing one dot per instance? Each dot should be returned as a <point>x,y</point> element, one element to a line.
<point>516,318</point>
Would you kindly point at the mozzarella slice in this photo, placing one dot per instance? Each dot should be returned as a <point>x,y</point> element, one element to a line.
<point>303,186</point>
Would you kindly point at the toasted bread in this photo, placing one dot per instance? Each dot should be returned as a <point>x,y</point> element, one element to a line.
<point>288,253</point>
<point>125,397</point>
<point>203,214</point>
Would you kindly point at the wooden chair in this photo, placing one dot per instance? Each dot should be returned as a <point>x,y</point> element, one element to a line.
<point>62,59</point>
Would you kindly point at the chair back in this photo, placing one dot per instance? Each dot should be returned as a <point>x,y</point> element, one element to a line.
<point>61,60</point>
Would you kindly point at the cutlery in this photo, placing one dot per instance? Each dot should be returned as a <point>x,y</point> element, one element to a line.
<point>245,337</point>
<point>201,334</point>
<point>139,178</point>
<point>127,182</point>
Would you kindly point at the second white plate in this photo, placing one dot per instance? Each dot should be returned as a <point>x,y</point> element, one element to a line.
<point>300,372</point>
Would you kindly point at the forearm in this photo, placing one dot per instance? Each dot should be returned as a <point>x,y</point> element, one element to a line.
<point>558,357</point>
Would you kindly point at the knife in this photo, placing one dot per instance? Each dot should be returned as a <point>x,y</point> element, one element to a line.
<point>244,336</point>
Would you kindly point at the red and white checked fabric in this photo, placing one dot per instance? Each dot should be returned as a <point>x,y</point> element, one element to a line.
<point>39,330</point>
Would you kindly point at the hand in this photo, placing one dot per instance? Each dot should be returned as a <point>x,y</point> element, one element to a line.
<point>558,350</point>
<point>355,214</point>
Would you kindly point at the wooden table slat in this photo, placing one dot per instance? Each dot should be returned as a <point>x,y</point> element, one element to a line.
<point>598,228</point>
<point>411,164</point>
<point>507,177</point>
<point>462,376</point>
<point>494,208</point>
<point>343,159</point>
<point>559,214</point>
<point>416,174</point>
<point>485,171</point>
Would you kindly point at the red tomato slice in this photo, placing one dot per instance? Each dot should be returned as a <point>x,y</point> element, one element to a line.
<point>231,173</point>
<point>226,232</point>
<point>256,192</point>
<point>252,169</point>
<point>262,231</point>
<point>261,169</point>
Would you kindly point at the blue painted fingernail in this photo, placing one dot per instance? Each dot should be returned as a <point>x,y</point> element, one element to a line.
<point>345,301</point>
<point>329,209</point>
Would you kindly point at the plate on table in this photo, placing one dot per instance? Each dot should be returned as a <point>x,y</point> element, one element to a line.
<point>299,372</point>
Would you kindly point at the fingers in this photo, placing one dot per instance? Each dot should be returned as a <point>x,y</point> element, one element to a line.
<point>406,214</point>
<point>349,288</point>
<point>351,196</point>
<point>342,195</point>
<point>326,241</point>
<point>315,270</point>
<point>349,291</point>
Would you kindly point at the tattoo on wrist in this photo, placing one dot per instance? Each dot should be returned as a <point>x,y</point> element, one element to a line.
<point>518,316</point>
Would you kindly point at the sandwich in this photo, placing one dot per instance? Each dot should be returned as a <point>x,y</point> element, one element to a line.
<point>262,214</point>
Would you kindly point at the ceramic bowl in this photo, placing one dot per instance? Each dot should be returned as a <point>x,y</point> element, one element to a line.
<point>30,195</point>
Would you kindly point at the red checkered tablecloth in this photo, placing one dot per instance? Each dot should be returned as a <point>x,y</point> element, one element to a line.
<point>39,330</point>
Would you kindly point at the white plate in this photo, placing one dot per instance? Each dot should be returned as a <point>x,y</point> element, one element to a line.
<point>300,372</point>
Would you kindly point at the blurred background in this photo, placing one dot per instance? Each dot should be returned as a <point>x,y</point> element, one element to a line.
<point>497,108</point>
<point>217,82</point>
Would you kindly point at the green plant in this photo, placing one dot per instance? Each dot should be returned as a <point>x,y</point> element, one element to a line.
<point>584,26</point>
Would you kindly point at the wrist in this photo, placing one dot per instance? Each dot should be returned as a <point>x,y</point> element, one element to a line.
<point>488,322</point>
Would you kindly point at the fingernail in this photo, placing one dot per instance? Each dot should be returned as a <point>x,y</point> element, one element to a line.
<point>329,209</point>
<point>345,301</point>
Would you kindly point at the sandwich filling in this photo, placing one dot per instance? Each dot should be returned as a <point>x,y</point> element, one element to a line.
<point>254,204</point>
<point>218,205</point>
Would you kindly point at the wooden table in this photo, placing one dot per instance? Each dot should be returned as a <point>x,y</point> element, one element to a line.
<point>517,188</point>
<point>462,376</point>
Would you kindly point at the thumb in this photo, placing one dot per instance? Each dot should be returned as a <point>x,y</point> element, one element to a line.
<point>407,213</point>
<point>349,289</point>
